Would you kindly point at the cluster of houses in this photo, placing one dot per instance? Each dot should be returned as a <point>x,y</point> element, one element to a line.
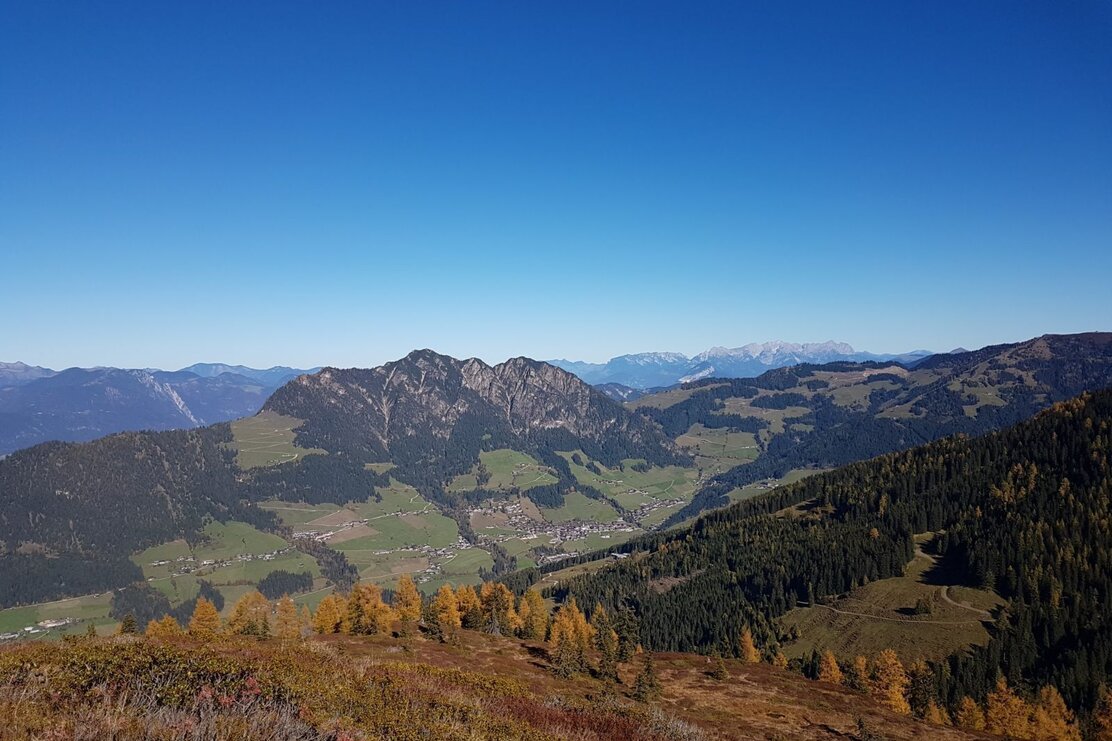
<point>188,564</point>
<point>38,628</point>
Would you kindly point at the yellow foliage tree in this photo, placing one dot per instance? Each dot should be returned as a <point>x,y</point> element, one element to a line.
<point>970,715</point>
<point>829,671</point>
<point>534,616</point>
<point>167,627</point>
<point>205,621</point>
<point>935,714</point>
<point>1006,714</point>
<point>330,614</point>
<point>570,638</point>
<point>407,604</point>
<point>367,614</point>
<point>250,616</point>
<point>748,649</point>
<point>287,620</point>
<point>445,612</point>
<point>499,615</point>
<point>891,681</point>
<point>470,607</point>
<point>1051,719</point>
<point>779,660</point>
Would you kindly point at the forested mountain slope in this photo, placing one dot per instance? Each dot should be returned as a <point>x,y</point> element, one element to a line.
<point>1026,511</point>
<point>818,417</point>
<point>72,514</point>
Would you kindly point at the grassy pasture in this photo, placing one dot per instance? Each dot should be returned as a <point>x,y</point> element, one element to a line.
<point>665,399</point>
<point>880,615</point>
<point>508,469</point>
<point>267,439</point>
<point>576,506</point>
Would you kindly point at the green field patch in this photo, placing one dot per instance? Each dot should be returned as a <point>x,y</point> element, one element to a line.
<point>378,467</point>
<point>751,490</point>
<point>79,611</point>
<point>631,488</point>
<point>297,513</point>
<point>776,418</point>
<point>507,469</point>
<point>466,561</point>
<point>267,439</point>
<point>719,449</point>
<point>882,615</point>
<point>665,399</point>
<point>576,506</point>
<point>598,541</point>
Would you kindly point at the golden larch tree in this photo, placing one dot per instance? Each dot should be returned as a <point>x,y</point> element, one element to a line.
<point>407,604</point>
<point>970,715</point>
<point>250,616</point>
<point>330,615</point>
<point>287,620</point>
<point>935,714</point>
<point>470,607</point>
<point>747,648</point>
<point>205,621</point>
<point>779,660</point>
<point>367,614</point>
<point>570,638</point>
<point>1102,717</point>
<point>445,613</point>
<point>499,615</point>
<point>1051,719</point>
<point>890,681</point>
<point>829,671</point>
<point>167,627</point>
<point>1006,713</point>
<point>534,616</point>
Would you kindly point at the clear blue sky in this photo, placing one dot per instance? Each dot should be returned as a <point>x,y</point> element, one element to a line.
<point>338,183</point>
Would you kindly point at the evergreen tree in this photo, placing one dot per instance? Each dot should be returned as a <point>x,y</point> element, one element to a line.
<point>858,676</point>
<point>128,626</point>
<point>90,631</point>
<point>606,642</point>
<point>1101,720</point>
<point>627,627</point>
<point>499,616</point>
<point>647,685</point>
<point>205,621</point>
<point>719,671</point>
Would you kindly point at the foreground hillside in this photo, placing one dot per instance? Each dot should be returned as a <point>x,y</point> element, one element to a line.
<point>1023,514</point>
<point>342,687</point>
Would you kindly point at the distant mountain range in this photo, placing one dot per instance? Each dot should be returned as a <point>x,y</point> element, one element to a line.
<point>39,404</point>
<point>660,369</point>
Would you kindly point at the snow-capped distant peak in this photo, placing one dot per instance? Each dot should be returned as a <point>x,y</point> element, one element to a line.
<point>653,358</point>
<point>704,373</point>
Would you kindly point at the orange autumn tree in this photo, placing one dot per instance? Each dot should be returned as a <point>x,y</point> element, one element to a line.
<point>250,616</point>
<point>829,671</point>
<point>570,638</point>
<point>970,715</point>
<point>205,622</point>
<point>499,615</point>
<point>367,614</point>
<point>534,615</point>
<point>747,649</point>
<point>1006,713</point>
<point>330,615</point>
<point>407,604</point>
<point>890,681</point>
<point>445,614</point>
<point>287,620</point>
<point>167,627</point>
<point>470,607</point>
